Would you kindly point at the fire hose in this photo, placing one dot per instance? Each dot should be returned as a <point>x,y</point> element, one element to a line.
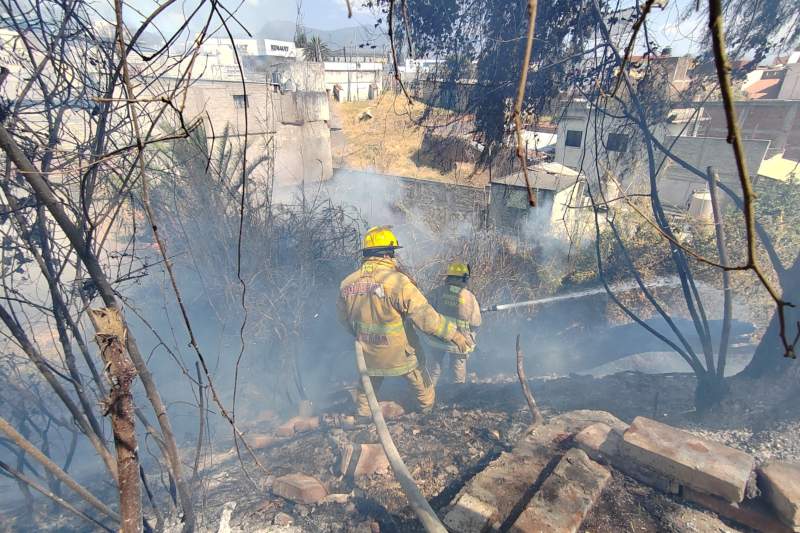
<point>419,504</point>
<point>503,307</point>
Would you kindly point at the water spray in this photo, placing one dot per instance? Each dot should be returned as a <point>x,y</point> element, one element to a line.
<point>617,287</point>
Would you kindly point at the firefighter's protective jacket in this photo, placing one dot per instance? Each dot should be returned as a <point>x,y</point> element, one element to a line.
<point>374,303</point>
<point>457,303</point>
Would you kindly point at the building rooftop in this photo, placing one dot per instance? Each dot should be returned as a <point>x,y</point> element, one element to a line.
<point>764,89</point>
<point>550,176</point>
<point>778,168</point>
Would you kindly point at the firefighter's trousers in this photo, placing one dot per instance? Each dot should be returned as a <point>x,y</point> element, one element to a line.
<point>425,394</point>
<point>458,366</point>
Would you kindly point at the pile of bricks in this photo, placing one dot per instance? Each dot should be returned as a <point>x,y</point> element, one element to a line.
<point>555,474</point>
<point>721,478</point>
<point>536,486</point>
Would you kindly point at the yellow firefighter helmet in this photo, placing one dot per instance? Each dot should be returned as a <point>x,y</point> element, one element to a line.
<point>380,237</point>
<point>458,269</point>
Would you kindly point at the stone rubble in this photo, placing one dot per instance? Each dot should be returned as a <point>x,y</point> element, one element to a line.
<point>780,483</point>
<point>391,410</point>
<point>282,519</point>
<point>491,495</point>
<point>551,477</point>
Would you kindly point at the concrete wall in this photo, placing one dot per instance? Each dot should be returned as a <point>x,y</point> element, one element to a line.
<point>357,81</point>
<point>676,185</point>
<point>775,120</point>
<point>439,202</point>
<point>509,209</point>
<point>296,120</point>
<point>302,153</point>
<point>297,76</point>
<point>790,89</point>
<point>219,50</point>
<point>554,215</point>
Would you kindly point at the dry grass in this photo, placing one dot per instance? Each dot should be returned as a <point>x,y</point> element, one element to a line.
<point>390,142</point>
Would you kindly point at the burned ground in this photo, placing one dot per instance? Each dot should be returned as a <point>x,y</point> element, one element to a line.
<point>469,428</point>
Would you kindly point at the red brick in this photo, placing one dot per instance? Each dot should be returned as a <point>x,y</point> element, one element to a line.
<point>780,482</point>
<point>754,514</point>
<point>297,424</point>
<point>299,488</point>
<point>602,444</point>
<point>260,440</point>
<point>372,461</point>
<point>565,497</point>
<point>692,461</point>
<point>305,424</point>
<point>286,429</point>
<point>392,410</point>
<point>490,496</point>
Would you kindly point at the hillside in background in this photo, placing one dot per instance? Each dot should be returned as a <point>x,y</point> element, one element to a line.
<point>352,37</point>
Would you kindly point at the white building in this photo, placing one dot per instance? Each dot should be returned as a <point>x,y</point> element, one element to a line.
<point>617,157</point>
<point>275,48</point>
<point>558,191</point>
<point>790,88</point>
<point>217,58</point>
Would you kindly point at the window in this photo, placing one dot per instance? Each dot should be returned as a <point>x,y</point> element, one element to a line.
<point>276,77</point>
<point>240,101</point>
<point>574,138</point>
<point>617,142</point>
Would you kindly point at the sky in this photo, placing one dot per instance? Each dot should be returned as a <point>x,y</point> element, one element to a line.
<point>665,24</point>
<point>319,14</point>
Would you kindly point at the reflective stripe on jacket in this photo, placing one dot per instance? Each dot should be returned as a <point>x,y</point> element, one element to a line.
<point>374,303</point>
<point>457,303</point>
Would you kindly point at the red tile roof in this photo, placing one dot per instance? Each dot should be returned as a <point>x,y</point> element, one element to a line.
<point>764,89</point>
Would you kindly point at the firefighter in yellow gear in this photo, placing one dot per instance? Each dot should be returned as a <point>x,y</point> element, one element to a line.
<point>380,306</point>
<point>458,304</point>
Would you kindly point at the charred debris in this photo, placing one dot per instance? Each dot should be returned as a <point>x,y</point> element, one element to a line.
<point>497,266</point>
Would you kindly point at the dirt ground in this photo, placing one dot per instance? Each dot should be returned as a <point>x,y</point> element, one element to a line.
<point>470,426</point>
<point>389,142</point>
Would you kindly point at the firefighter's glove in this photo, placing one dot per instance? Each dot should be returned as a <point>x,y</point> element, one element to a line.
<point>464,343</point>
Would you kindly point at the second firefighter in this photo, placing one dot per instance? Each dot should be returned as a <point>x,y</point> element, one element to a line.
<point>457,303</point>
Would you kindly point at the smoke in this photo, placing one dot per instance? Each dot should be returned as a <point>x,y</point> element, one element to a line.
<point>294,347</point>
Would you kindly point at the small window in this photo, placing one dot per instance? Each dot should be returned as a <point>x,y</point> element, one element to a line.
<point>240,101</point>
<point>617,142</point>
<point>276,77</point>
<point>574,138</point>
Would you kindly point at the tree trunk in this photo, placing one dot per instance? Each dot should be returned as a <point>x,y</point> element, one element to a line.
<point>768,360</point>
<point>45,195</point>
<point>121,373</point>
